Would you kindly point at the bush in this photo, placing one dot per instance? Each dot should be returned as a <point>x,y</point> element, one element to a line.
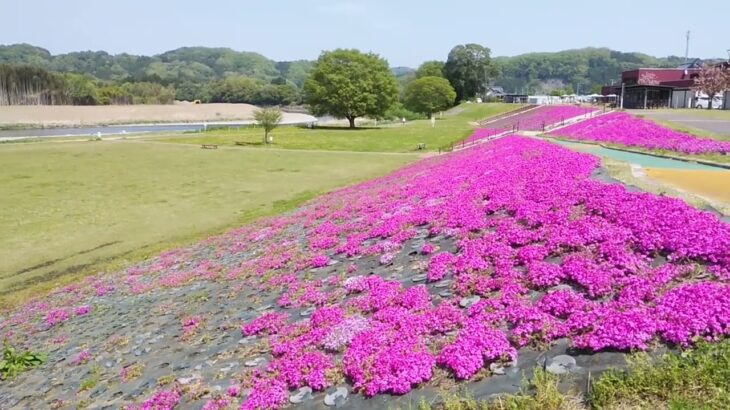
<point>14,362</point>
<point>398,111</point>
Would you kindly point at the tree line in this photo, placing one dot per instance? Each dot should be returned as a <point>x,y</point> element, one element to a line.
<point>28,85</point>
<point>350,84</point>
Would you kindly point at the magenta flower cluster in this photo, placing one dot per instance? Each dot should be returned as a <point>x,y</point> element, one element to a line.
<point>626,129</point>
<point>516,227</point>
<point>539,118</point>
<point>162,400</point>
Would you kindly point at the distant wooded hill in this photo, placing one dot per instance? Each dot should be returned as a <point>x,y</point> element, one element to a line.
<point>226,75</point>
<point>585,68</point>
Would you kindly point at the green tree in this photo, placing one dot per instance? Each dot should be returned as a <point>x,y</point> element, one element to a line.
<point>268,118</point>
<point>470,69</point>
<point>429,94</point>
<point>236,89</point>
<point>430,69</point>
<point>82,89</point>
<point>114,94</point>
<point>350,84</point>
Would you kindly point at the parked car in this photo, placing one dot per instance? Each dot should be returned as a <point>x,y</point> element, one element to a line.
<point>704,102</point>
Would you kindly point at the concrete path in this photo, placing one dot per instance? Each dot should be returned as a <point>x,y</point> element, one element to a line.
<point>689,119</point>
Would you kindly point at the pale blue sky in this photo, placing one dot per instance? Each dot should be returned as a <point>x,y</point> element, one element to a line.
<point>405,32</point>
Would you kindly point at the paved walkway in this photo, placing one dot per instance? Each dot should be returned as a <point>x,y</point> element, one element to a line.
<point>683,117</point>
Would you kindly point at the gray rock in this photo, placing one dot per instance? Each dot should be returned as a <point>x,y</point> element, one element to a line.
<point>469,301</point>
<point>419,278</point>
<point>336,397</point>
<point>255,362</point>
<point>186,380</point>
<point>496,368</point>
<point>307,312</point>
<point>304,393</point>
<point>247,340</point>
<point>560,364</point>
<point>442,284</point>
<point>264,307</point>
<point>446,294</point>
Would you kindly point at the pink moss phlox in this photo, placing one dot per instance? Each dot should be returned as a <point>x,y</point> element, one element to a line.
<point>269,324</point>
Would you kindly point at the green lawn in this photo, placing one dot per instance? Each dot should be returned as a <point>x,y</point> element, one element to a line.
<point>72,208</point>
<point>453,127</point>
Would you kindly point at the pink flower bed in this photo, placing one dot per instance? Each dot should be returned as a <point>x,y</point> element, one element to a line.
<point>625,129</point>
<point>613,270</point>
<point>481,134</point>
<point>539,118</point>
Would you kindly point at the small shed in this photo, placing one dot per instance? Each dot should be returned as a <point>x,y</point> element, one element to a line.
<point>515,98</point>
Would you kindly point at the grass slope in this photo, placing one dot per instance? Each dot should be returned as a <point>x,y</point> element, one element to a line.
<point>390,138</point>
<point>75,207</point>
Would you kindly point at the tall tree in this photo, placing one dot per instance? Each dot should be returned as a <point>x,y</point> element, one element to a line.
<point>429,94</point>
<point>470,69</point>
<point>430,69</point>
<point>712,81</point>
<point>350,84</point>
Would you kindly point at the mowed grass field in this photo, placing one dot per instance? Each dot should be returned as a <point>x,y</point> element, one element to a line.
<point>452,127</point>
<point>73,208</point>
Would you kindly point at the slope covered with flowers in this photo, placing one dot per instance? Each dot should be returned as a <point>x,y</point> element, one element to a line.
<point>625,129</point>
<point>539,118</point>
<point>454,263</point>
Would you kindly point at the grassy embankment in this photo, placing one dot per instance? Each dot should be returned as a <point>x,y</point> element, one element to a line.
<point>71,209</point>
<point>452,128</point>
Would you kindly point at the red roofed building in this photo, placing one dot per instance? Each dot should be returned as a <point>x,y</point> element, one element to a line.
<point>658,87</point>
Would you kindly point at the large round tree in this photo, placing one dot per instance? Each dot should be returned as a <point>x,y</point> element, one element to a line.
<point>429,94</point>
<point>350,84</point>
<point>469,69</point>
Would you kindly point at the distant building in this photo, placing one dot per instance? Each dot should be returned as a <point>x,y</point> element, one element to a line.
<point>659,87</point>
<point>515,98</point>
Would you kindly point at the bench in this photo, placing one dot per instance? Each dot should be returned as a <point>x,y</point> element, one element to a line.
<point>421,146</point>
<point>209,146</point>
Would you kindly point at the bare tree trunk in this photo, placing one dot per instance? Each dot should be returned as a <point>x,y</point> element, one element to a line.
<point>352,121</point>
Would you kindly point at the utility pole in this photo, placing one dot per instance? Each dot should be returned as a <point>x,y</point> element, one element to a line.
<point>686,50</point>
<point>623,88</point>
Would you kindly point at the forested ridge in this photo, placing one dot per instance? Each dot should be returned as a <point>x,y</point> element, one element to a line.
<point>32,75</point>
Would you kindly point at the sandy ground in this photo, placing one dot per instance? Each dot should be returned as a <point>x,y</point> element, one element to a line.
<point>713,185</point>
<point>64,115</point>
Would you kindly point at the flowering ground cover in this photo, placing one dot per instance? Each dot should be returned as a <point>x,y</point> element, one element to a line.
<point>539,118</point>
<point>453,268</point>
<point>626,129</point>
<point>481,134</point>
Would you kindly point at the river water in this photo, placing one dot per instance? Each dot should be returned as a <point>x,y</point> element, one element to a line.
<point>7,135</point>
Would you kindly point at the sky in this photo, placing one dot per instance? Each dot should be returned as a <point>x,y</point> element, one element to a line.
<point>405,32</point>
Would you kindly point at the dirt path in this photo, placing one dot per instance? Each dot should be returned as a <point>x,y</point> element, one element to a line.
<point>714,185</point>
<point>73,116</point>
